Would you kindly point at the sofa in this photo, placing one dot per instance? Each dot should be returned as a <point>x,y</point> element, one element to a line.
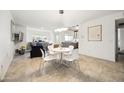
<point>36,52</point>
<point>35,48</point>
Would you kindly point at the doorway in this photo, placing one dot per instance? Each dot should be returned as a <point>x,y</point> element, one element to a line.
<point>119,36</point>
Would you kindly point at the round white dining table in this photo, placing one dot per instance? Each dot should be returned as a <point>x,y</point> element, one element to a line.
<point>61,50</point>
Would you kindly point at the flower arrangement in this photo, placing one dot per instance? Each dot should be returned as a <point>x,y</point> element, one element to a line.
<point>23,47</point>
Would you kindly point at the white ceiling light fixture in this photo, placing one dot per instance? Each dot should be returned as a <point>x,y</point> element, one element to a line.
<point>74,28</point>
<point>61,29</point>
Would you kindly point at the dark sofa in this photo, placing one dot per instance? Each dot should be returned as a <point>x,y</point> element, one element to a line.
<point>35,51</point>
<point>35,48</point>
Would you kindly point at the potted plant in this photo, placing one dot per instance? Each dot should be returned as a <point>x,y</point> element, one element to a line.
<point>22,50</point>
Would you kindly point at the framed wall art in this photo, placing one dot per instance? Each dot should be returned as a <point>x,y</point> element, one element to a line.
<point>12,30</point>
<point>95,33</point>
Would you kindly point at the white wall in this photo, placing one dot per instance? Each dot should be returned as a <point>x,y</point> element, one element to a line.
<point>104,49</point>
<point>29,32</point>
<point>6,45</point>
<point>34,31</point>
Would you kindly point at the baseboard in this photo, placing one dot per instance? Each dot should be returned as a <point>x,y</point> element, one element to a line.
<point>96,57</point>
<point>6,68</point>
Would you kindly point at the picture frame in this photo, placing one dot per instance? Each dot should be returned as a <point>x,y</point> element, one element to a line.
<point>12,26</point>
<point>95,33</point>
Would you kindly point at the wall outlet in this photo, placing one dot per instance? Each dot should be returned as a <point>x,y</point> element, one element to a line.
<point>1,67</point>
<point>1,71</point>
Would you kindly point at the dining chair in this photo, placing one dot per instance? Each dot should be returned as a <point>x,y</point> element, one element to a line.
<point>70,52</point>
<point>73,60</point>
<point>47,58</point>
<point>50,49</point>
<point>71,57</point>
<point>51,52</point>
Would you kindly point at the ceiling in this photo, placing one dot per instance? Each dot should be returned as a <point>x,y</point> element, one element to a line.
<point>51,19</point>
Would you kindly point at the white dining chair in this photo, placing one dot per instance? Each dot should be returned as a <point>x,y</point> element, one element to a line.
<point>48,58</point>
<point>71,57</point>
<point>50,49</point>
<point>70,52</point>
<point>73,60</point>
<point>51,52</point>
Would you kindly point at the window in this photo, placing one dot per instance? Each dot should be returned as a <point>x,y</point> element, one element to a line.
<point>68,38</point>
<point>39,37</point>
<point>57,38</point>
